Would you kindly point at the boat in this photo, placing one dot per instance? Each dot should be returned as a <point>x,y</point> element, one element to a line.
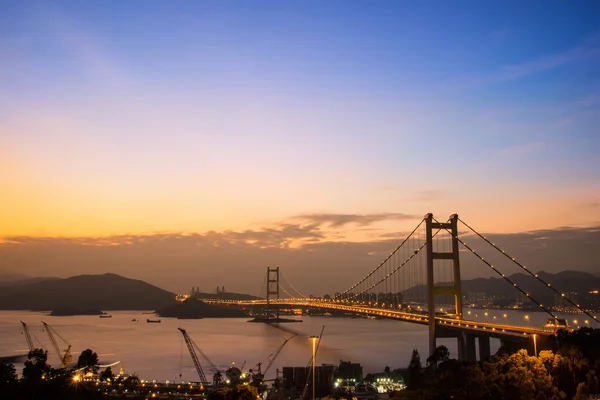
<point>104,315</point>
<point>553,325</point>
<point>153,321</point>
<point>134,320</point>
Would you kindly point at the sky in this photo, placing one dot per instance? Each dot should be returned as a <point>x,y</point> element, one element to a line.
<point>286,125</point>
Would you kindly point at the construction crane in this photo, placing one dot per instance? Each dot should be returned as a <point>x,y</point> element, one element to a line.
<point>192,346</point>
<point>64,358</point>
<point>28,335</point>
<point>258,376</point>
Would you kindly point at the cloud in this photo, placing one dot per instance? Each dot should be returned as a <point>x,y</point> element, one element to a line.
<point>236,259</point>
<point>426,195</point>
<point>339,220</point>
<point>589,48</point>
<point>521,150</point>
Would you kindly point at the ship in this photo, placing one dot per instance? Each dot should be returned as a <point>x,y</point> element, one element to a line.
<point>553,325</point>
<point>105,315</point>
<point>153,321</point>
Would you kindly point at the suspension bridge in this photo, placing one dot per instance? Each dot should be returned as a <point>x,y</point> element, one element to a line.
<point>420,274</point>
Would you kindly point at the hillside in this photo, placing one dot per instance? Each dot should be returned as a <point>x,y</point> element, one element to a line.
<point>104,292</point>
<point>566,281</point>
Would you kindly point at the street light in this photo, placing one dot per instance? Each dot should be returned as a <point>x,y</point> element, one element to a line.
<point>527,318</point>
<point>314,348</point>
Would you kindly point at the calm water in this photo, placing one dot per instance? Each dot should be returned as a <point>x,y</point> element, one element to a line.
<point>157,351</point>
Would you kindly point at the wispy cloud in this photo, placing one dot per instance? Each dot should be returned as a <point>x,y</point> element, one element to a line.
<point>426,195</point>
<point>339,220</point>
<point>521,149</point>
<point>588,49</point>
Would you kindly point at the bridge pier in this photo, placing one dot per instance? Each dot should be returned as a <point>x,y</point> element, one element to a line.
<point>466,347</point>
<point>484,347</point>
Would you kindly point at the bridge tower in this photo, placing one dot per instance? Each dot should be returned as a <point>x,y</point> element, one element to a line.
<point>272,291</point>
<point>453,289</point>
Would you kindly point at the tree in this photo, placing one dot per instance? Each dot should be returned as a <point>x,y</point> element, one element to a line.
<point>414,370</point>
<point>88,360</point>
<point>36,367</point>
<point>440,354</point>
<point>107,374</point>
<point>8,380</point>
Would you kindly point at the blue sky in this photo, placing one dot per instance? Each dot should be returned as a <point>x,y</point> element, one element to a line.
<point>193,116</point>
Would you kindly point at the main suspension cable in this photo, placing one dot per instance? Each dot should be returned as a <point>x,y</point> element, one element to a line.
<point>382,263</point>
<point>524,268</point>
<point>291,287</point>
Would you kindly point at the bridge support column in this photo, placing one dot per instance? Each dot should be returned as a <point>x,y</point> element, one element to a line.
<point>451,290</point>
<point>484,347</point>
<point>466,347</point>
<point>272,290</point>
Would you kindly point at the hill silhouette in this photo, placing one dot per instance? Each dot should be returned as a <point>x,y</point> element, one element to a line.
<point>194,308</point>
<point>85,292</point>
<point>565,281</point>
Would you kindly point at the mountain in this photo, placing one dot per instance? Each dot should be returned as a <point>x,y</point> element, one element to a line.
<point>565,281</point>
<point>104,292</point>
<point>8,277</point>
<point>25,281</point>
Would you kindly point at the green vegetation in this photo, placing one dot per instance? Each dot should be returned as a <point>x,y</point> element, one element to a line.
<point>570,371</point>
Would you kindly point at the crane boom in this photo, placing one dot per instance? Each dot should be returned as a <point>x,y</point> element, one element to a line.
<point>27,336</point>
<point>64,358</point>
<point>190,345</point>
<point>276,354</point>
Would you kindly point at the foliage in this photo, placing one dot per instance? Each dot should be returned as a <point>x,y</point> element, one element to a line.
<point>106,375</point>
<point>440,354</point>
<point>571,371</point>
<point>8,380</point>
<point>36,366</point>
<point>414,370</point>
<point>39,380</point>
<point>238,392</point>
<point>88,360</point>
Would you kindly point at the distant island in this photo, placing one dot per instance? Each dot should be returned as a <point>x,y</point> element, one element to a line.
<point>70,311</point>
<point>195,309</point>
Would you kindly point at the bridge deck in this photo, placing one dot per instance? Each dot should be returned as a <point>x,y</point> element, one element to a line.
<point>448,323</point>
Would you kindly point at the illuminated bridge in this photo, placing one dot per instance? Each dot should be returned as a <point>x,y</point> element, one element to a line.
<point>423,269</point>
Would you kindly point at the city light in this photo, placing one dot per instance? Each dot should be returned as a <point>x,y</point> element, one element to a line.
<point>314,344</point>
